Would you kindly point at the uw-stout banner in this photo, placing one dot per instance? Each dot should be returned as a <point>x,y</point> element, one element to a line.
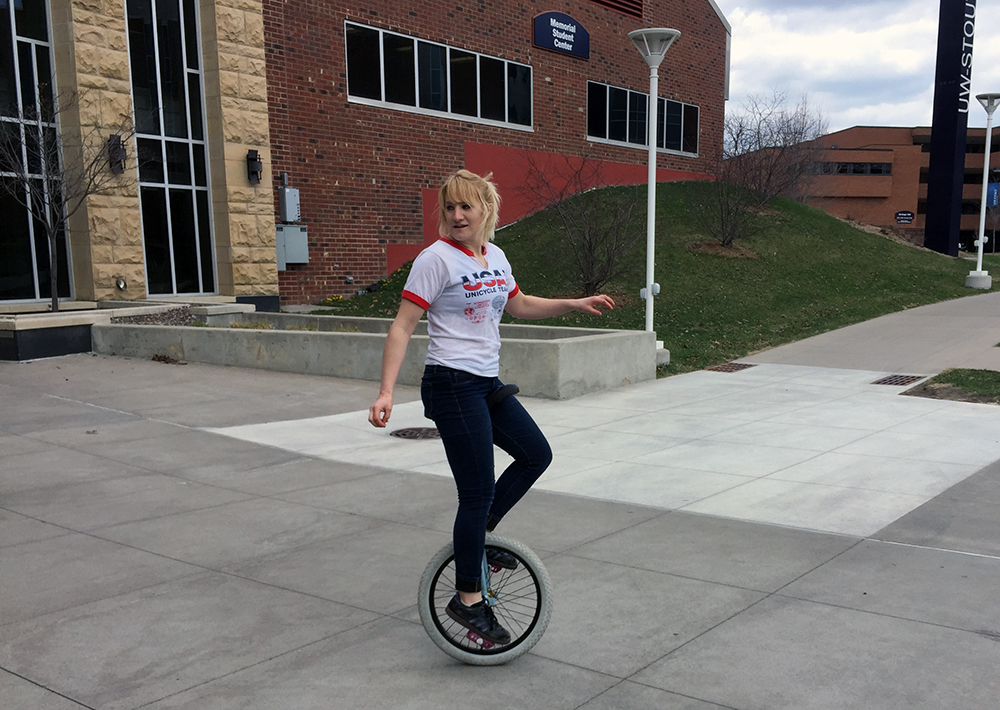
<point>561,33</point>
<point>952,89</point>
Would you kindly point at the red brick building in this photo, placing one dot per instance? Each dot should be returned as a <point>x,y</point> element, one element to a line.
<point>877,175</point>
<point>370,106</point>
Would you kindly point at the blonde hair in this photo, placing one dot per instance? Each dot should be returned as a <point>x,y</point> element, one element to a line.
<point>465,187</point>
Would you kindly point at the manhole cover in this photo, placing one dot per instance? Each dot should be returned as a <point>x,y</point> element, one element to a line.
<point>416,433</point>
<point>729,367</point>
<point>898,380</point>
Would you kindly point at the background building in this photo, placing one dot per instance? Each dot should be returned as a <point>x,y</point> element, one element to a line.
<point>184,220</point>
<point>363,108</point>
<point>878,176</point>
<point>372,105</point>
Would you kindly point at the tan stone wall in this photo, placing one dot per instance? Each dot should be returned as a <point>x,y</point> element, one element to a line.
<point>236,110</point>
<point>89,39</point>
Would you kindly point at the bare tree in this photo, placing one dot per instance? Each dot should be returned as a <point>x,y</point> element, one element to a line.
<point>597,223</point>
<point>767,153</point>
<point>52,176</point>
<point>770,146</point>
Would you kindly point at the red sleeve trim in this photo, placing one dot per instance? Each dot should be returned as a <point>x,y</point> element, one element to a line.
<point>410,296</point>
<point>517,290</point>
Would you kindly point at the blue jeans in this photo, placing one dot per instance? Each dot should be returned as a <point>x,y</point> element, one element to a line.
<point>456,402</point>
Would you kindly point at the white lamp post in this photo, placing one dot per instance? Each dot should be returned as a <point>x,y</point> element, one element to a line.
<point>980,278</point>
<point>652,45</point>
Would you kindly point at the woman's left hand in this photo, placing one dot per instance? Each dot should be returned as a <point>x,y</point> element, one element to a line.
<point>595,304</point>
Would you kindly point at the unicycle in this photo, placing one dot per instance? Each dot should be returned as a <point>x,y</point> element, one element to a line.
<point>521,599</point>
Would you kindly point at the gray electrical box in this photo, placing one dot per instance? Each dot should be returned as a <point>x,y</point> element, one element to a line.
<point>289,209</point>
<point>292,242</point>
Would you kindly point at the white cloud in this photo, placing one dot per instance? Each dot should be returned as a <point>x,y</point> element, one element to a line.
<point>860,63</point>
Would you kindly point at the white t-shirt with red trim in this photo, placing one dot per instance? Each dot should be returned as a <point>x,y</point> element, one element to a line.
<point>464,302</point>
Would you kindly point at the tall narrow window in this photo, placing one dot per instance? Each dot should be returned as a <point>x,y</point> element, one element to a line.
<point>170,120</point>
<point>27,121</point>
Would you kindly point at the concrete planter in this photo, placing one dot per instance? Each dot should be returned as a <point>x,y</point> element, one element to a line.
<point>557,363</point>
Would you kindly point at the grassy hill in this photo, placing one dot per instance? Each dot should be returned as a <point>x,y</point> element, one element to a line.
<point>805,274</point>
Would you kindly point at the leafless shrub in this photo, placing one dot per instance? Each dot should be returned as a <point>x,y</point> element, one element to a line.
<point>598,225</point>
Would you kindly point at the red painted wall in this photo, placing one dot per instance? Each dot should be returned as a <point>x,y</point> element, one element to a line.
<point>364,172</point>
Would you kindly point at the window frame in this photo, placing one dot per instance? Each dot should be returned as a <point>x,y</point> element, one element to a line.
<point>448,113</point>
<point>660,121</point>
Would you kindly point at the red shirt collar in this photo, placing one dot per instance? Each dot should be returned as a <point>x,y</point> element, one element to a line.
<point>461,247</point>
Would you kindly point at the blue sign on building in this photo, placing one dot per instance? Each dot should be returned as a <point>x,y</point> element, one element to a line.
<point>993,194</point>
<point>561,33</point>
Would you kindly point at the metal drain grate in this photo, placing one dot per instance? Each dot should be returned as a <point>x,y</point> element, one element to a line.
<point>416,433</point>
<point>899,380</point>
<point>730,367</point>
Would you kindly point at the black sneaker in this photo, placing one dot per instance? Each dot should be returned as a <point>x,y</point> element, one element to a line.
<point>479,618</point>
<point>500,558</point>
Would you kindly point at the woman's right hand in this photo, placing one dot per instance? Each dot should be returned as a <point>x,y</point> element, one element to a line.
<point>378,413</point>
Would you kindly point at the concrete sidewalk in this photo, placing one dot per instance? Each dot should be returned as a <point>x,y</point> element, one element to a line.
<point>788,536</point>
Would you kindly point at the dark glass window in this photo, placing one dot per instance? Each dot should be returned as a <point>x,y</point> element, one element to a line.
<point>142,60</point>
<point>185,240</point>
<point>8,87</point>
<point>617,114</point>
<point>400,80</point>
<point>194,96</point>
<point>435,77</point>
<point>597,110</point>
<point>492,102</point>
<point>661,122</point>
<point>191,35</point>
<point>17,278</point>
<point>363,63</point>
<point>463,82</point>
<point>156,239</point>
<point>432,63</point>
<point>173,79</point>
<point>178,163</point>
<point>690,144</point>
<point>29,18</point>
<point>204,229</point>
<point>638,116</point>
<point>150,160</point>
<point>518,94</point>
<point>673,126</point>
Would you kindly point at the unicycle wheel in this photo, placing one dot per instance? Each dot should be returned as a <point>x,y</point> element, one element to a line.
<point>523,605</point>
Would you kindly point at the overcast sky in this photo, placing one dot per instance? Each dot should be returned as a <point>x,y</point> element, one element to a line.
<point>860,62</point>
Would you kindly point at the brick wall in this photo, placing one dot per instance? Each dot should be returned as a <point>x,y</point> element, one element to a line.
<point>361,169</point>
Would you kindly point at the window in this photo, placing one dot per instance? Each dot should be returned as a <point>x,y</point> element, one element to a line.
<point>620,116</point>
<point>26,118</point>
<point>858,169</point>
<point>170,135</point>
<point>397,71</point>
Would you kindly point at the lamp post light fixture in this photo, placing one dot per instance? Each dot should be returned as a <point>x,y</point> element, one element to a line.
<point>980,278</point>
<point>652,44</point>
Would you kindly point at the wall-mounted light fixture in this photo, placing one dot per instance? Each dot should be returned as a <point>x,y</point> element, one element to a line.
<point>120,284</point>
<point>116,154</point>
<point>255,167</point>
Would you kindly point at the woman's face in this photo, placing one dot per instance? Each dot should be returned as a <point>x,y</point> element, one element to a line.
<point>465,221</point>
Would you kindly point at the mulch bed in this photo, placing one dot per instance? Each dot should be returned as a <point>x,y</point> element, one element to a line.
<point>175,316</point>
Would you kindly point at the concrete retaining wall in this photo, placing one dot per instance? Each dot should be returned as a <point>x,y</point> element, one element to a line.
<point>557,363</point>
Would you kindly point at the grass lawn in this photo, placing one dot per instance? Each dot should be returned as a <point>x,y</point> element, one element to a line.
<point>808,273</point>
